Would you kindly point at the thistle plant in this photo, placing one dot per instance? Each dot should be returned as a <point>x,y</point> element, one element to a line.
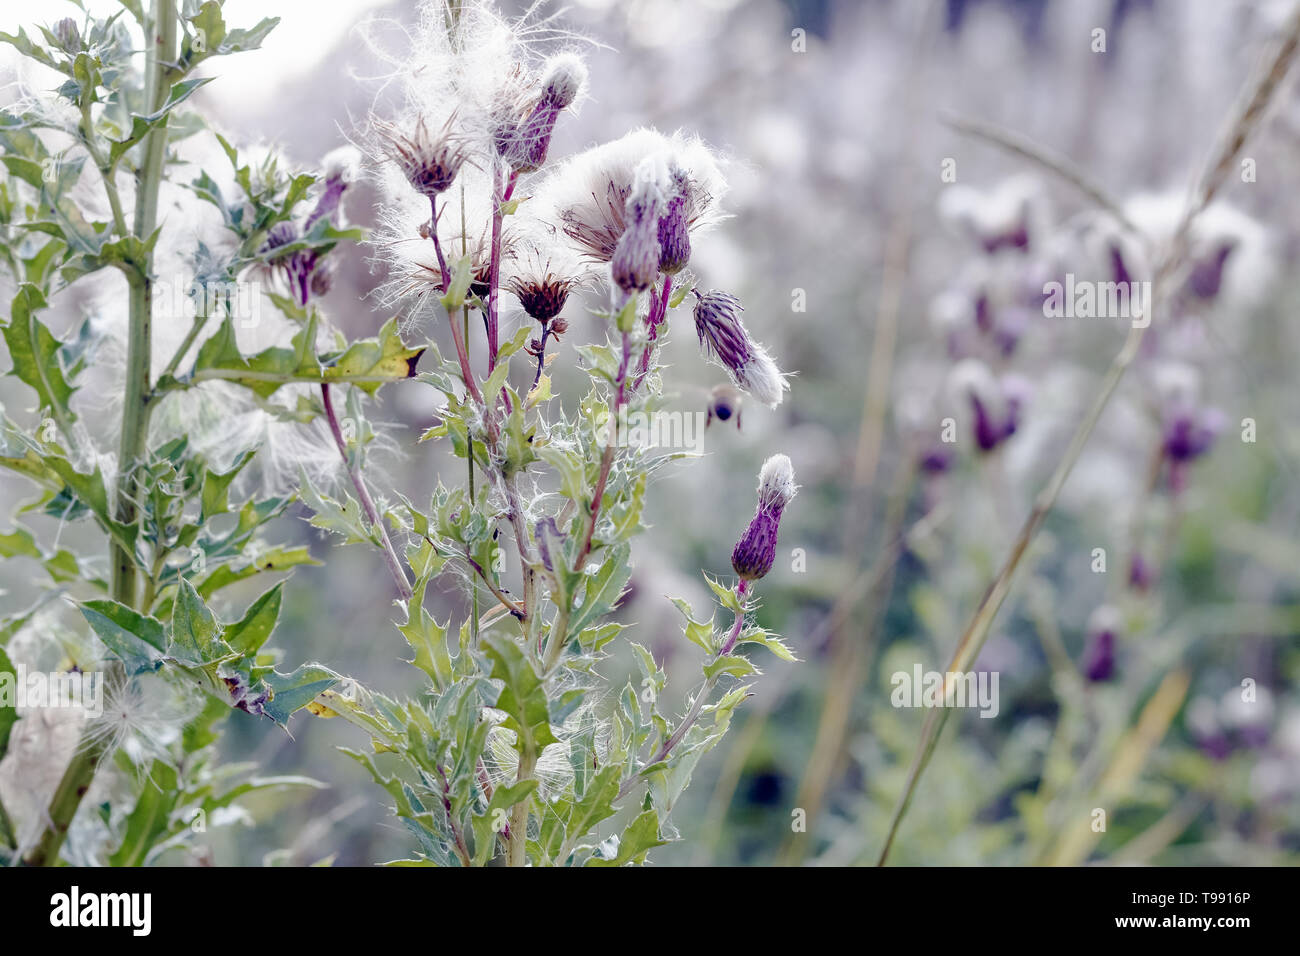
<point>128,428</point>
<point>521,748</point>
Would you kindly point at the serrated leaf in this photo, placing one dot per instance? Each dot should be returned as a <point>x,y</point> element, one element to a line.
<point>523,696</point>
<point>138,640</point>
<point>604,589</point>
<point>34,352</point>
<point>247,635</point>
<point>292,692</point>
<point>641,836</point>
<point>731,665</point>
<point>195,631</point>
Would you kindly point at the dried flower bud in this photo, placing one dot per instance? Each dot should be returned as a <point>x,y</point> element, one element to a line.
<point>429,163</point>
<point>559,326</point>
<point>724,404</point>
<point>635,265</point>
<point>723,336</point>
<point>755,552</point>
<point>674,225</point>
<point>542,296</point>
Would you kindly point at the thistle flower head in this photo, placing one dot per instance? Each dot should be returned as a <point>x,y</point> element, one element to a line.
<point>755,552</point>
<point>674,229</point>
<point>724,338</point>
<point>996,403</point>
<point>1006,217</point>
<point>635,264</point>
<point>524,143</point>
<point>1190,432</point>
<point>430,162</point>
<point>541,288</point>
<point>69,37</point>
<point>1103,632</point>
<point>587,194</point>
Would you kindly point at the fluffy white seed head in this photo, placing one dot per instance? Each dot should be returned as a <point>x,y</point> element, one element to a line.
<point>776,486</point>
<point>761,377</point>
<point>563,79</point>
<point>586,196</point>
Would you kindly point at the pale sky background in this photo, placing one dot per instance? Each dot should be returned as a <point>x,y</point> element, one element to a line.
<point>308,30</point>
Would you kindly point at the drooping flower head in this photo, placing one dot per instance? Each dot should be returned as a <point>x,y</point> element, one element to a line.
<point>723,337</point>
<point>755,552</point>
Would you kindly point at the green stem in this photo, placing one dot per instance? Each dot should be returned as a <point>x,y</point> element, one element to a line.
<point>517,845</point>
<point>80,772</point>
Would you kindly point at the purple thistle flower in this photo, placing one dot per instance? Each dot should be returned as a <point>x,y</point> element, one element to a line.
<point>723,337</point>
<point>1099,655</point>
<point>1190,432</point>
<point>936,459</point>
<point>755,552</point>
<point>429,163</point>
<point>525,145</point>
<point>674,225</point>
<point>1206,277</point>
<point>1140,576</point>
<point>635,264</point>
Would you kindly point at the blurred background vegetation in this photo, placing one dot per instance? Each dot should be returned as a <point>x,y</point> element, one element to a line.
<point>833,114</point>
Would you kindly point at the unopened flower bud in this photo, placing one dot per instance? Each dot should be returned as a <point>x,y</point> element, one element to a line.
<point>755,552</point>
<point>69,37</point>
<point>723,336</point>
